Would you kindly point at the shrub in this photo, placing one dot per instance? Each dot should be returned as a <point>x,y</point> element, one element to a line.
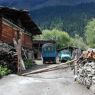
<point>28,63</point>
<point>4,71</point>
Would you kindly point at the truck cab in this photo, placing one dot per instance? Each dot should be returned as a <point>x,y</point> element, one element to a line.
<point>64,55</point>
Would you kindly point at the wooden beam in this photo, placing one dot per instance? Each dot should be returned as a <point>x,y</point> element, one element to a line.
<point>49,68</point>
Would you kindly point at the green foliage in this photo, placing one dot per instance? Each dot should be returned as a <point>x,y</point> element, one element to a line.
<point>4,71</point>
<point>28,63</point>
<point>56,23</point>
<point>77,21</point>
<point>71,19</point>
<point>90,33</point>
<point>78,41</point>
<point>61,37</point>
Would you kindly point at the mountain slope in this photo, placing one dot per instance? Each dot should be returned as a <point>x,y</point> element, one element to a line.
<point>36,4</point>
<point>72,19</point>
<point>22,4</point>
<point>68,15</point>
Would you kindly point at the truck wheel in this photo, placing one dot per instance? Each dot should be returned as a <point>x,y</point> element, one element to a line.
<point>43,62</point>
<point>54,62</point>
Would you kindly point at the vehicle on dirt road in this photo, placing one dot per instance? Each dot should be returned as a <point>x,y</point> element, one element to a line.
<point>49,53</point>
<point>64,55</point>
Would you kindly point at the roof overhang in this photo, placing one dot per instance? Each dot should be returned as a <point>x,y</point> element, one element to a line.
<point>24,17</point>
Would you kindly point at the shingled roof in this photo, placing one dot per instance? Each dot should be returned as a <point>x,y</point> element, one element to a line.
<point>24,17</point>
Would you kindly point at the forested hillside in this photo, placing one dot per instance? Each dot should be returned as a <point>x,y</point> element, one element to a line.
<point>71,19</point>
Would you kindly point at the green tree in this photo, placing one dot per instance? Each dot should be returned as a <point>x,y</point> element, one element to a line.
<point>90,33</point>
<point>78,41</point>
<point>61,37</point>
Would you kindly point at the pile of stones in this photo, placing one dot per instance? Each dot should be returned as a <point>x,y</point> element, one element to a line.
<point>85,72</point>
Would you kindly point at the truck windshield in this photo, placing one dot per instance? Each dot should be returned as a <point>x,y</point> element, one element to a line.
<point>65,52</point>
<point>49,49</point>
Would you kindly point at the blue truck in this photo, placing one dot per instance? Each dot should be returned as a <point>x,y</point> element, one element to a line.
<point>49,53</point>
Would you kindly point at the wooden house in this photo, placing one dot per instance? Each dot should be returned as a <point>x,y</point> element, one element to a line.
<point>13,20</point>
<point>16,31</point>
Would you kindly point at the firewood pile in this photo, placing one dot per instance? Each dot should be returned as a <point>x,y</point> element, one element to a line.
<point>85,71</point>
<point>89,54</point>
<point>9,59</point>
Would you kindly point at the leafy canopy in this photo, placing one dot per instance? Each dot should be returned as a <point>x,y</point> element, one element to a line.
<point>90,33</point>
<point>61,37</point>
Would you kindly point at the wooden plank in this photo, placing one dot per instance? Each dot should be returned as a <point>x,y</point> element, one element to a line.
<point>27,41</point>
<point>8,35</point>
<point>0,27</point>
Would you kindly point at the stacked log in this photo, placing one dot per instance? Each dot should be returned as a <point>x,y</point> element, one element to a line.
<point>89,54</point>
<point>9,59</point>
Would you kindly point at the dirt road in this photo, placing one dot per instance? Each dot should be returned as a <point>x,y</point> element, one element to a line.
<point>59,82</point>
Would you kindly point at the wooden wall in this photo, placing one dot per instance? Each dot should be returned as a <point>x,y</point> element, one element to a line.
<point>27,41</point>
<point>7,34</point>
<point>0,27</point>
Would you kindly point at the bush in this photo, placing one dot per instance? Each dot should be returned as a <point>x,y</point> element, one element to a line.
<point>61,38</point>
<point>4,71</point>
<point>28,63</point>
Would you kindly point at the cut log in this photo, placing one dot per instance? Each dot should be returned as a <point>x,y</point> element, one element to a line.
<point>49,68</point>
<point>9,59</point>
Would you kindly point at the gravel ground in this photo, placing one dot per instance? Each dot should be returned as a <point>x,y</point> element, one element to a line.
<point>59,82</point>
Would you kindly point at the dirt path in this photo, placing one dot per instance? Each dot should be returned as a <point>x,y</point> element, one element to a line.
<point>59,82</point>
